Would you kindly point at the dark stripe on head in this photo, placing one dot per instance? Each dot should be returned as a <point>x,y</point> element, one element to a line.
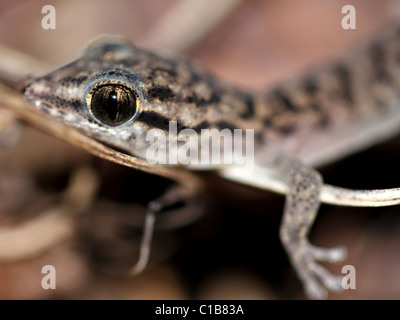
<point>161,93</point>
<point>193,98</point>
<point>154,120</point>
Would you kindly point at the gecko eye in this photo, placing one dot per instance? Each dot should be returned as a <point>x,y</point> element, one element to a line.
<point>112,104</point>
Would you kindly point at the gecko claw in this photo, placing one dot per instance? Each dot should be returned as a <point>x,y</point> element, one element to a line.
<point>333,255</point>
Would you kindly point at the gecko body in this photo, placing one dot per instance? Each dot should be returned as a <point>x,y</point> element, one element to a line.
<point>116,92</point>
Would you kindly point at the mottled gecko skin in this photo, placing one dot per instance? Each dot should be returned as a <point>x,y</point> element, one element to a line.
<point>316,118</point>
<point>116,92</point>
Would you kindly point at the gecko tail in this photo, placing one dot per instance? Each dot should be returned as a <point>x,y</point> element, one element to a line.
<point>329,194</point>
<point>360,198</point>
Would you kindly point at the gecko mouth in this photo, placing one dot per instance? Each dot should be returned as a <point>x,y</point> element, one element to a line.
<point>43,106</point>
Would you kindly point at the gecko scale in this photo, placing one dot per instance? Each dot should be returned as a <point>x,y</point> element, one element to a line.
<point>116,92</point>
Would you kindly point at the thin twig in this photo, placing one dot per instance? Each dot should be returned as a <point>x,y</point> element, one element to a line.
<point>15,65</point>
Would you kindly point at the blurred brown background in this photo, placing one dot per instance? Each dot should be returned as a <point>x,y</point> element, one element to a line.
<point>233,251</point>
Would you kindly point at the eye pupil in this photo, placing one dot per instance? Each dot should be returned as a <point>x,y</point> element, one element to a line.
<point>113,104</point>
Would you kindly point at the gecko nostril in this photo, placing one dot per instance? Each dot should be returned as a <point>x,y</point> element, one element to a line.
<point>23,88</point>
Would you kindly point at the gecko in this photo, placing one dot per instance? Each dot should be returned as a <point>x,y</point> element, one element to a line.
<point>116,92</point>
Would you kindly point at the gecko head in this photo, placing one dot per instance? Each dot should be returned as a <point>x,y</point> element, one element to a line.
<point>112,93</point>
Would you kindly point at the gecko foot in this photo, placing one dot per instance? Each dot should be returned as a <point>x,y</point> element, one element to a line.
<point>316,279</point>
<point>301,207</point>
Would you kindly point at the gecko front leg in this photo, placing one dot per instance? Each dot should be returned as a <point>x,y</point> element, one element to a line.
<point>301,207</point>
<point>177,193</point>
